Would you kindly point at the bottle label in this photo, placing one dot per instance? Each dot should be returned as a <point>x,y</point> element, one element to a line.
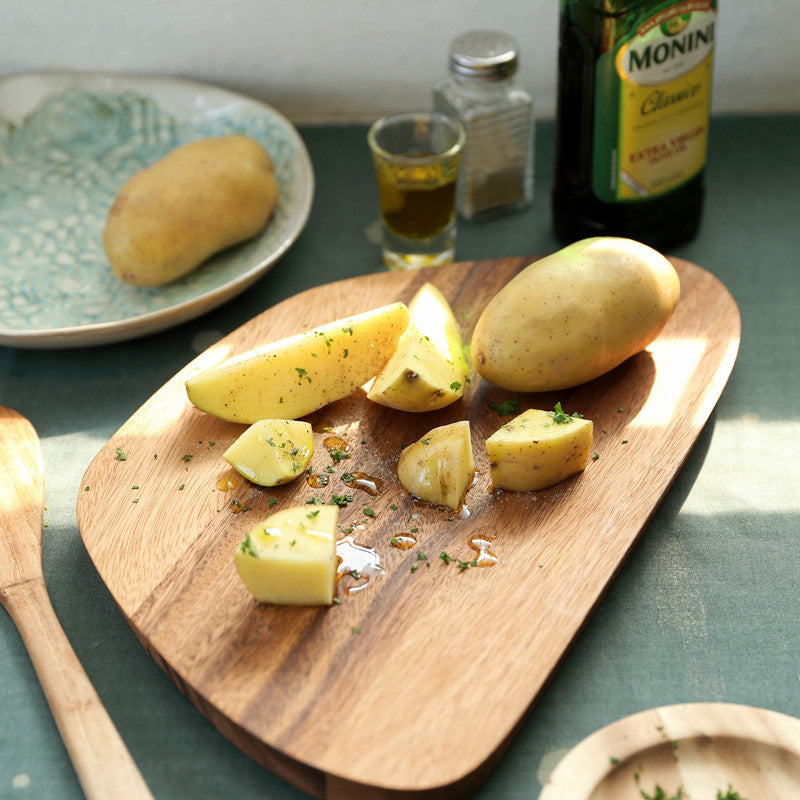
<point>652,103</point>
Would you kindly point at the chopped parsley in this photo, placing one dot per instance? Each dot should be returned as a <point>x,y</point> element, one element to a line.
<point>560,417</point>
<point>660,794</point>
<point>506,408</point>
<point>247,547</point>
<point>341,499</point>
<point>729,795</point>
<point>121,455</point>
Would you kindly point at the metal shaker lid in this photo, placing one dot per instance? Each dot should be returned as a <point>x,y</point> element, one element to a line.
<point>484,54</point>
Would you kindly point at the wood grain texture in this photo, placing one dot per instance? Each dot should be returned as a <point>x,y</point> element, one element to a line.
<point>377,696</point>
<point>702,748</point>
<point>102,762</point>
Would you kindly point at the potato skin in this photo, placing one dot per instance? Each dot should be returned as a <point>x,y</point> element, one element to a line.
<point>574,315</point>
<point>200,198</point>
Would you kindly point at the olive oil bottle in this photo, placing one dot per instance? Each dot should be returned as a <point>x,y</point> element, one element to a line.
<point>634,94</point>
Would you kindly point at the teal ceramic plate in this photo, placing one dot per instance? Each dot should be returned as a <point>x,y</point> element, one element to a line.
<point>68,141</point>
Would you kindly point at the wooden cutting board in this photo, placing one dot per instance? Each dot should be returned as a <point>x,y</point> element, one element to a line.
<point>414,683</point>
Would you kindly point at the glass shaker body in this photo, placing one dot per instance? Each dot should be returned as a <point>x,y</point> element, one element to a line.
<point>496,172</point>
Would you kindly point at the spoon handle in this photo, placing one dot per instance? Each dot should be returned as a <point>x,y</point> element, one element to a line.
<point>101,760</point>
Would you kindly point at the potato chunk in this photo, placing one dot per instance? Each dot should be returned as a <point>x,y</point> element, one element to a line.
<point>290,557</point>
<point>538,449</point>
<point>439,468</point>
<point>272,451</point>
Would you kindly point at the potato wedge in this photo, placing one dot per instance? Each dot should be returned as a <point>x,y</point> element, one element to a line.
<point>292,377</point>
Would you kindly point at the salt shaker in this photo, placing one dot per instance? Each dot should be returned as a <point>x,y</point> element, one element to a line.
<point>496,172</point>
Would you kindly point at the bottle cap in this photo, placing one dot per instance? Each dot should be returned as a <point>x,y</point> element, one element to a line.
<point>483,54</point>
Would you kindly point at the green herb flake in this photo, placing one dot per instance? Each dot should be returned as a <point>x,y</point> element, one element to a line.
<point>246,547</point>
<point>368,512</point>
<point>455,385</point>
<point>272,501</point>
<point>560,417</point>
<point>729,795</point>
<point>660,794</point>
<point>187,457</point>
<point>312,514</point>
<point>121,455</point>
<point>595,456</point>
<point>506,408</point>
<point>338,455</point>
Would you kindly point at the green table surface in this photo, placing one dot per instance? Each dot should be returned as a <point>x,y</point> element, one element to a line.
<point>706,608</point>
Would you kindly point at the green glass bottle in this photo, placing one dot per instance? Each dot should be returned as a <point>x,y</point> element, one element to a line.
<point>632,117</point>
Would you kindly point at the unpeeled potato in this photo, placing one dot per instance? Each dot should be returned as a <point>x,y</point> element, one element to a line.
<point>200,198</point>
<point>574,315</point>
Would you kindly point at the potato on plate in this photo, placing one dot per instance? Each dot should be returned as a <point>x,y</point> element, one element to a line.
<point>202,197</point>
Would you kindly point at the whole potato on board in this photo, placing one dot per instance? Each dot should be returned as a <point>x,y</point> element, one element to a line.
<point>574,315</point>
<point>200,198</point>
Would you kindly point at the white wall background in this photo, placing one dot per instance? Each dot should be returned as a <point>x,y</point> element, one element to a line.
<point>356,59</point>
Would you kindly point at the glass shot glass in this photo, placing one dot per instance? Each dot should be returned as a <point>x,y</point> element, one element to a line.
<point>416,156</point>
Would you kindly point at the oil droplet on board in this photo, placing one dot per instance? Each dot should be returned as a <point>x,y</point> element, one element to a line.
<point>317,481</point>
<point>362,563</point>
<point>360,480</point>
<point>337,447</point>
<point>404,541</point>
<point>486,558</point>
<point>227,483</point>
<point>237,508</point>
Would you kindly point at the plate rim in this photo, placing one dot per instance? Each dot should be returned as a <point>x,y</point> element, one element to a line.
<point>170,316</point>
<point>567,780</point>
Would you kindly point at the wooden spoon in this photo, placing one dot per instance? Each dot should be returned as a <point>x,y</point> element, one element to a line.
<point>103,764</point>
